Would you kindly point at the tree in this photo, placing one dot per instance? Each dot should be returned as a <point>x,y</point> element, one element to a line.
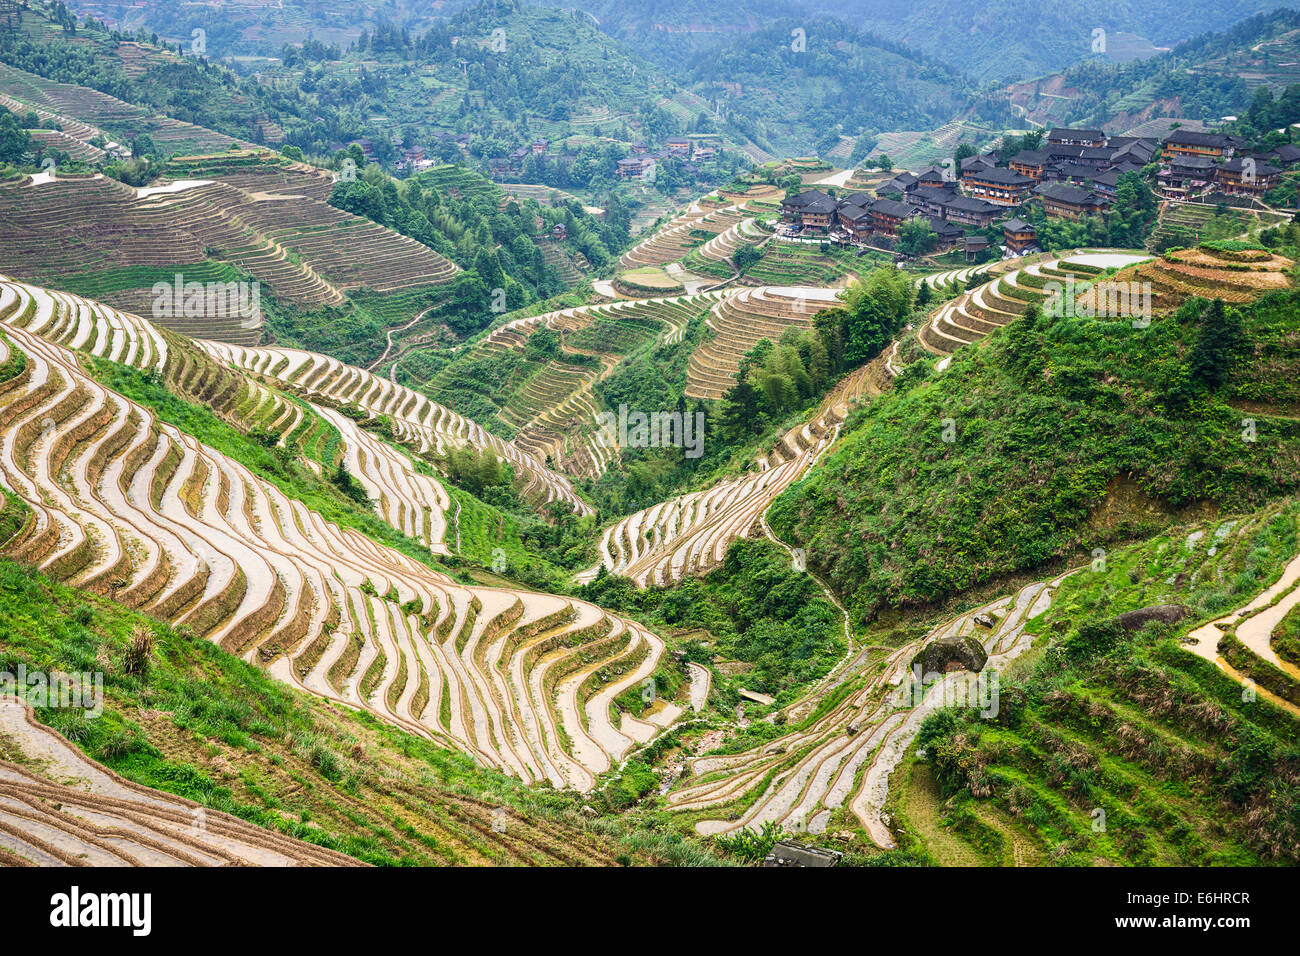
<point>16,146</point>
<point>740,409</point>
<point>1025,356</point>
<point>745,257</point>
<point>875,310</point>
<point>143,145</point>
<point>1218,346</point>
<point>915,237</point>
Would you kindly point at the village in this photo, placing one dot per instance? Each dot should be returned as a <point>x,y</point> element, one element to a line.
<point>1072,174</point>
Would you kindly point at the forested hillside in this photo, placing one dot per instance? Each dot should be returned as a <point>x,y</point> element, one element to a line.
<point>1205,78</point>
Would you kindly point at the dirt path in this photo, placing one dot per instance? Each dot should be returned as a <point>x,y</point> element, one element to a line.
<point>701,681</point>
<point>1254,623</point>
<point>389,334</point>
<point>850,645</point>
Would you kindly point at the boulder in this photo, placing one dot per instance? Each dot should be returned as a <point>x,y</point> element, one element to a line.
<point>953,653</point>
<point>1165,613</point>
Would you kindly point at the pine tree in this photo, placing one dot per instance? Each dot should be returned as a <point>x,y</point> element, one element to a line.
<point>1024,354</point>
<point>1218,346</point>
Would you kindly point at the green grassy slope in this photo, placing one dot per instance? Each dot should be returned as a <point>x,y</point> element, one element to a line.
<point>1032,447</point>
<point>1121,748</point>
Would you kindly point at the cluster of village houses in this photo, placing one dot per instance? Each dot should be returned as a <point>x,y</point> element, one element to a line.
<point>640,165</point>
<point>1074,174</point>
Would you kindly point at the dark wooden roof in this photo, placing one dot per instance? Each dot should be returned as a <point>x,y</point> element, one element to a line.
<point>887,207</point>
<point>1002,177</point>
<point>1073,195</point>
<point>1062,132</point>
<point>1191,137</point>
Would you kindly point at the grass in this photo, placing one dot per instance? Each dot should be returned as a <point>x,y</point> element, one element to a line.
<point>1100,437</point>
<point>1124,748</point>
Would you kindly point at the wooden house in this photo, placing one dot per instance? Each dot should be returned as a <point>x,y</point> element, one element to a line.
<point>1000,186</point>
<point>1019,236</point>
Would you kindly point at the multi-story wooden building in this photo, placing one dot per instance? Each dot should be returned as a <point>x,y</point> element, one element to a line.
<point>934,178</point>
<point>1061,201</point>
<point>902,184</point>
<point>971,212</point>
<point>1019,236</point>
<point>930,200</point>
<point>636,167</point>
<point>946,234</point>
<point>1000,186</point>
<point>1184,176</point>
<point>810,209</point>
<point>1188,142</point>
<point>1030,162</point>
<point>1283,156</point>
<point>1106,184</point>
<point>1247,176</point>
<point>886,215</point>
<point>1076,137</point>
<point>973,164</point>
<point>974,247</point>
<point>855,220</point>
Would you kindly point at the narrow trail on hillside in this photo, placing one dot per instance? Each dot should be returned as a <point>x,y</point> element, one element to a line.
<point>1254,624</point>
<point>850,644</point>
<point>389,335</point>
<point>840,762</point>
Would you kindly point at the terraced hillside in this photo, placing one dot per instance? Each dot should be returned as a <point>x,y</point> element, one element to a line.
<point>95,109</point>
<point>70,130</point>
<point>699,225</point>
<point>1117,740</point>
<point>804,263</point>
<point>424,425</point>
<point>1158,285</point>
<point>412,503</point>
<point>545,401</point>
<point>833,768</point>
<point>988,307</point>
<point>255,217</point>
<point>690,534</point>
<point>1210,271</point>
<point>121,504</point>
<point>1093,695</point>
<point>739,321</point>
<point>59,808</point>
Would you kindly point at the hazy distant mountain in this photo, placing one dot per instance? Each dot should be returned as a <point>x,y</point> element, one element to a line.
<point>1011,39</point>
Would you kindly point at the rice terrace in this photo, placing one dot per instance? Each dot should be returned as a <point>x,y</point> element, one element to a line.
<point>503,434</point>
